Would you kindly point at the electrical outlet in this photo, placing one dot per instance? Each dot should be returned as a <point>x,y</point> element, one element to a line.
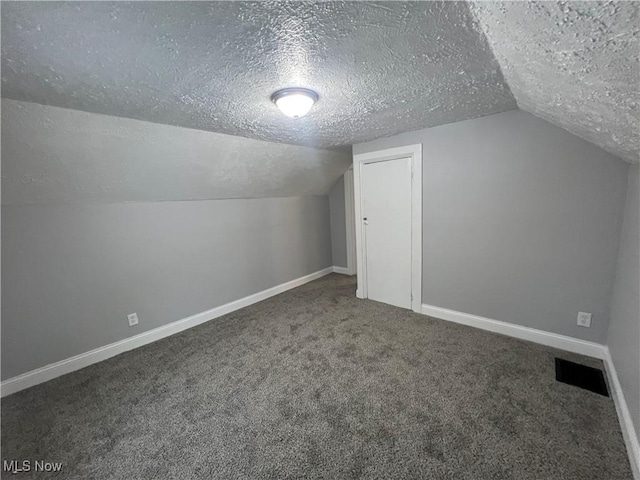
<point>133,319</point>
<point>584,319</point>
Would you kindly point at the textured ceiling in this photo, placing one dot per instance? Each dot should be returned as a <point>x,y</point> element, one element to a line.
<point>57,155</point>
<point>574,64</point>
<point>380,68</point>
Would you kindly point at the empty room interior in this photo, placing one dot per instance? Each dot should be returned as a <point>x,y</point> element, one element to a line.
<point>321,240</point>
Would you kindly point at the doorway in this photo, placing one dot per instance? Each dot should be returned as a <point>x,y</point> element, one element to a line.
<point>388,201</point>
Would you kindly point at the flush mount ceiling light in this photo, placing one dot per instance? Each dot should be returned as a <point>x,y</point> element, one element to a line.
<point>294,102</point>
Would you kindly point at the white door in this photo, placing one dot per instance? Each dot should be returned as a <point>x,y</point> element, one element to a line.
<point>386,228</point>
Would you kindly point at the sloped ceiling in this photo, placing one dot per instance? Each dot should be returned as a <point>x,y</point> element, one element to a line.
<point>54,155</point>
<point>380,68</point>
<point>574,64</point>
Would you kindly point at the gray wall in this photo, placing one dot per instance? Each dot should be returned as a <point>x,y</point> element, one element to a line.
<point>521,221</point>
<point>104,216</point>
<point>624,331</point>
<point>71,273</point>
<point>338,224</point>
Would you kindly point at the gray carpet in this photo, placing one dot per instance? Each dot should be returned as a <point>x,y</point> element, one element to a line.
<point>315,383</point>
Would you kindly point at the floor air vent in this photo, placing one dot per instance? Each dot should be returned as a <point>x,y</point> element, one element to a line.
<point>589,378</point>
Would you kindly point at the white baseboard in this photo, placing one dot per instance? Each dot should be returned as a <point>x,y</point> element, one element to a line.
<point>549,339</point>
<point>624,415</point>
<point>561,342</point>
<point>77,362</point>
<point>342,270</point>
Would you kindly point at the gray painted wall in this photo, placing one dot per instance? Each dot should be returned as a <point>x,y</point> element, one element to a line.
<point>71,273</point>
<point>77,259</point>
<point>338,224</point>
<point>521,221</point>
<point>624,331</point>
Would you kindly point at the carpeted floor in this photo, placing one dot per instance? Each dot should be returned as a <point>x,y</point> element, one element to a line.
<point>315,383</point>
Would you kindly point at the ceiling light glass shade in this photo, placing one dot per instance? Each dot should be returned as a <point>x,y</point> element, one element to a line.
<point>294,102</point>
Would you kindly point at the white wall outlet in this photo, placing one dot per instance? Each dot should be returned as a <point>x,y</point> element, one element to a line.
<point>584,319</point>
<point>133,319</point>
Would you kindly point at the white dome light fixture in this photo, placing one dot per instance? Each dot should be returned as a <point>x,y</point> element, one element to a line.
<point>294,102</point>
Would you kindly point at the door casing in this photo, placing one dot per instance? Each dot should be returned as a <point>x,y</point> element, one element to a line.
<point>415,153</point>
<point>350,217</point>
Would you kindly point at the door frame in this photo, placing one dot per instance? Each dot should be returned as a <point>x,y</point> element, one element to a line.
<point>350,218</point>
<point>414,152</point>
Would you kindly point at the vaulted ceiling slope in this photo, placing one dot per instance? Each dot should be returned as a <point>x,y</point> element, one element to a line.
<point>380,68</point>
<point>574,64</point>
<point>54,155</point>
